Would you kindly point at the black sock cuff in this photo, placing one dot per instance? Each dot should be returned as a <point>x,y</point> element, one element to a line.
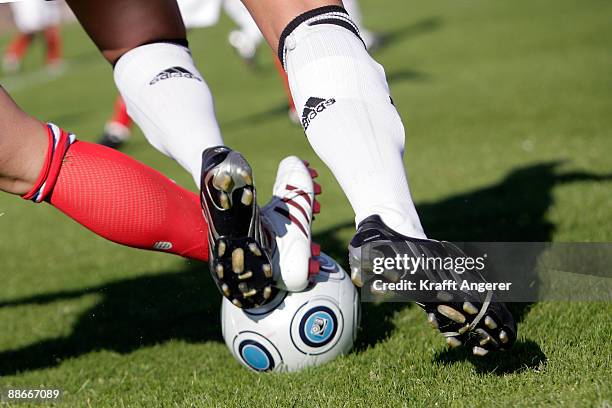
<point>342,22</point>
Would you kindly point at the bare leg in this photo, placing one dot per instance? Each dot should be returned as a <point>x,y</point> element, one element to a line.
<point>23,144</point>
<point>117,26</point>
<point>272,16</point>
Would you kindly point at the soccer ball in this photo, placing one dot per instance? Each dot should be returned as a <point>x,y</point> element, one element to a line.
<point>296,329</point>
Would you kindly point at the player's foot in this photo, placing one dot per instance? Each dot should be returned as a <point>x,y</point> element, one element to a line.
<point>239,251</point>
<point>293,116</point>
<point>55,66</point>
<point>288,216</point>
<point>372,40</point>
<point>464,318</point>
<point>115,134</point>
<point>11,63</point>
<point>245,47</point>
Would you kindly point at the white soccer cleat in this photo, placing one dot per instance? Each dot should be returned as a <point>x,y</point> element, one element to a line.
<point>288,216</point>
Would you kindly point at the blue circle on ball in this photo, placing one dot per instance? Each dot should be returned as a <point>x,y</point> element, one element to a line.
<point>256,356</point>
<point>318,326</point>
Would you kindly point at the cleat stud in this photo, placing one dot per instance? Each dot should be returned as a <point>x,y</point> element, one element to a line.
<point>221,249</point>
<point>316,207</point>
<point>225,290</point>
<point>247,197</point>
<point>431,318</point>
<point>356,277</point>
<point>464,329</point>
<point>248,180</point>
<point>485,341</point>
<point>315,249</point>
<point>254,249</point>
<point>503,337</point>
<point>238,260</point>
<point>250,293</point>
<point>479,351</point>
<point>469,308</point>
<point>306,163</point>
<point>224,200</point>
<point>313,173</point>
<point>237,303</point>
<point>267,292</point>
<point>313,267</point>
<point>223,182</point>
<point>317,188</point>
<point>490,323</point>
<point>444,296</point>
<point>451,313</point>
<point>243,287</point>
<point>219,271</point>
<point>482,333</point>
<point>453,342</point>
<point>246,275</point>
<point>267,270</point>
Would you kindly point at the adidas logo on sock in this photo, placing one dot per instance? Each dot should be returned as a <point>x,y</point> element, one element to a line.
<point>174,72</point>
<point>313,107</point>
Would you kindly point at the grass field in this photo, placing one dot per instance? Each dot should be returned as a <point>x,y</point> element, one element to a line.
<point>508,107</point>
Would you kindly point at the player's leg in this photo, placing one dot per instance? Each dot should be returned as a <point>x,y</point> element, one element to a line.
<point>247,37</point>
<point>104,190</point>
<point>22,157</point>
<point>117,129</point>
<point>28,20</point>
<point>345,102</point>
<point>54,46</point>
<point>168,98</point>
<point>51,32</point>
<point>15,51</point>
<point>293,115</point>
<point>370,39</point>
<point>155,74</point>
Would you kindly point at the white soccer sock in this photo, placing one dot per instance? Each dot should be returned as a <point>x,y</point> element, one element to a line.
<point>348,115</point>
<point>170,101</point>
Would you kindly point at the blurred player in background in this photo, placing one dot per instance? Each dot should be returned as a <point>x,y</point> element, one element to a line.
<point>34,18</point>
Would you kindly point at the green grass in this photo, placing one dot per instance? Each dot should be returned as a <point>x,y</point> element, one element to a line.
<point>508,111</point>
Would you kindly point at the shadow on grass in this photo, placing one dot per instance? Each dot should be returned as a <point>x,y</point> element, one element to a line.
<point>423,26</point>
<point>525,355</point>
<point>279,111</point>
<point>132,313</point>
<point>184,305</point>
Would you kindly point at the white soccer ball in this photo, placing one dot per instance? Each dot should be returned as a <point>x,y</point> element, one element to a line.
<point>298,329</point>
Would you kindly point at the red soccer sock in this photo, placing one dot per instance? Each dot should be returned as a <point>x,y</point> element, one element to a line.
<point>120,114</point>
<point>283,75</point>
<point>19,45</point>
<point>54,44</point>
<point>120,199</point>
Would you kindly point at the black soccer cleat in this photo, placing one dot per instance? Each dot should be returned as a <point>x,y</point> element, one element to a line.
<point>238,246</point>
<point>467,318</point>
<point>110,140</point>
<point>115,135</point>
